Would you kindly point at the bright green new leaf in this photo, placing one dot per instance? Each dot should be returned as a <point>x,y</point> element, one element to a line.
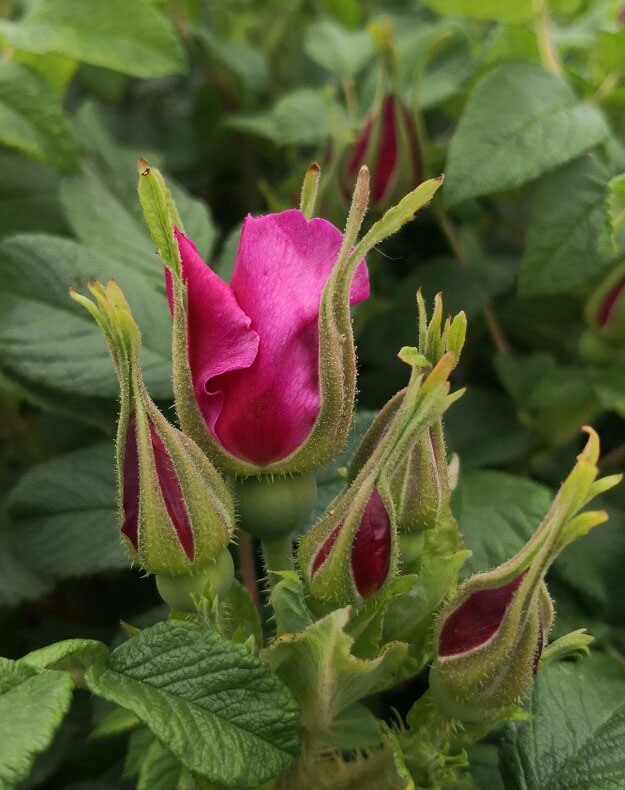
<point>31,118</point>
<point>218,709</point>
<point>130,36</point>
<point>519,122</point>
<point>32,706</point>
<point>319,668</point>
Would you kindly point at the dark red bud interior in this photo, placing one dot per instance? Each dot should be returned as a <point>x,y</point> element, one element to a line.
<point>387,154</point>
<point>477,619</point>
<point>607,305</point>
<point>170,489</point>
<point>130,527</point>
<point>371,550</point>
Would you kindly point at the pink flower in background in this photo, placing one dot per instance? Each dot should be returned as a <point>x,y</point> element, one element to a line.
<point>254,345</point>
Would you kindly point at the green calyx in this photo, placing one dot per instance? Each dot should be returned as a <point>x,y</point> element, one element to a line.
<point>215,578</point>
<point>271,507</point>
<point>325,553</point>
<point>477,682</point>
<point>337,356</point>
<point>184,516</point>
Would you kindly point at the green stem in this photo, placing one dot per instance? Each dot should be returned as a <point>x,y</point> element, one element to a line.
<point>278,556</point>
<point>247,566</point>
<point>548,53</point>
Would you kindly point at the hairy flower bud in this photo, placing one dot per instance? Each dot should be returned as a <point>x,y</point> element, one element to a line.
<point>490,636</point>
<point>388,145</point>
<point>352,552</point>
<point>420,487</point>
<point>176,512</point>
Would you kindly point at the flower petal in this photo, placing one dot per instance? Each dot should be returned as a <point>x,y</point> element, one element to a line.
<point>219,335</point>
<point>169,485</point>
<point>268,406</point>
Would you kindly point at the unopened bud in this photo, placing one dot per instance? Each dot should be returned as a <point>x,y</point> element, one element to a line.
<point>176,512</point>
<point>491,635</point>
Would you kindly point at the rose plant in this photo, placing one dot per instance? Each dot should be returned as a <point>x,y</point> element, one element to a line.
<point>264,381</point>
<point>300,486</point>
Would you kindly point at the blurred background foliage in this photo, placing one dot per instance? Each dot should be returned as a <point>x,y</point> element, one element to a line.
<point>521,103</point>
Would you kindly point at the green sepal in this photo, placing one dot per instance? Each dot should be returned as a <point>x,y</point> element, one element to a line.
<point>309,191</point>
<point>425,399</point>
<point>420,487</point>
<point>576,643</point>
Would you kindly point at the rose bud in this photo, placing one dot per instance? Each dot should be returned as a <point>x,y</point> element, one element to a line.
<point>352,552</point>
<point>265,367</point>
<point>420,488</point>
<point>176,512</point>
<point>605,309</point>
<point>388,145</point>
<point>490,636</point>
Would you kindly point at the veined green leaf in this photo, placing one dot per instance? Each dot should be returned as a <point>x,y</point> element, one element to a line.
<point>218,709</point>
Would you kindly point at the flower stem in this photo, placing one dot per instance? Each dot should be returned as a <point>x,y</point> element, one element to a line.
<point>278,556</point>
<point>247,566</point>
<point>548,53</point>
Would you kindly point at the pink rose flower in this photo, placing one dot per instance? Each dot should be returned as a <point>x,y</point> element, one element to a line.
<point>253,345</point>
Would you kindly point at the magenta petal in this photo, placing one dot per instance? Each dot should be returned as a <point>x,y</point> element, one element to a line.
<point>172,493</point>
<point>169,485</point>
<point>267,406</point>
<point>477,619</point>
<point>371,549</point>
<point>326,548</point>
<point>130,527</point>
<point>607,305</point>
<point>219,335</point>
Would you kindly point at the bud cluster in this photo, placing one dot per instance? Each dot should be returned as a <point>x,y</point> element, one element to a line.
<point>264,374</point>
